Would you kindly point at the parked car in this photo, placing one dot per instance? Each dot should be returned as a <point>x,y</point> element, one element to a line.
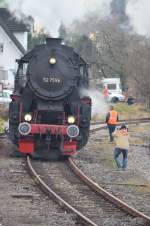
<point>114,98</point>
<point>5,96</point>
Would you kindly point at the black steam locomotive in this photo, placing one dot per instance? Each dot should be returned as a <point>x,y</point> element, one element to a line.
<point>49,116</point>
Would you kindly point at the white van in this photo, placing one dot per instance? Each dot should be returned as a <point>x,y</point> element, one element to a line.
<point>114,87</point>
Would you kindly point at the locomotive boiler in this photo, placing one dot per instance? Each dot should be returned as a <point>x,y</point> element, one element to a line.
<point>49,116</point>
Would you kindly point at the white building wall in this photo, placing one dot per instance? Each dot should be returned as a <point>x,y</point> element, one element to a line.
<point>9,55</point>
<point>22,38</point>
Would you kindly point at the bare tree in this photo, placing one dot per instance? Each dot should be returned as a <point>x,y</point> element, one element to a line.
<point>139,69</point>
<point>115,51</point>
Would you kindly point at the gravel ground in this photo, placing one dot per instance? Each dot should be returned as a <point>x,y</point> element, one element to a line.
<point>21,202</point>
<point>132,185</point>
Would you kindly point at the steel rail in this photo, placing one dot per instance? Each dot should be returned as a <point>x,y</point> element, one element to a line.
<point>123,120</point>
<point>104,125</point>
<point>57,198</point>
<point>99,190</point>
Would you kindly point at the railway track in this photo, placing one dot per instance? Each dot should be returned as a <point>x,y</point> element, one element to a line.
<point>102,125</point>
<point>93,206</point>
<point>84,220</point>
<point>121,121</point>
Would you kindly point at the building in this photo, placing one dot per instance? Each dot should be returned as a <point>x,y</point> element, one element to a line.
<point>13,45</point>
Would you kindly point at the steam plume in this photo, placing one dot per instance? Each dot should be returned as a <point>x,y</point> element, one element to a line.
<point>51,12</point>
<point>99,106</point>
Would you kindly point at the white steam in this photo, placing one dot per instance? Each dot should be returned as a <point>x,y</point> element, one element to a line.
<point>99,106</point>
<point>139,14</point>
<point>50,13</point>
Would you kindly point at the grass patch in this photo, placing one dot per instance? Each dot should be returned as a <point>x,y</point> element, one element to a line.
<point>3,117</point>
<point>2,121</point>
<point>131,111</point>
<point>126,112</point>
<point>4,112</point>
<point>110,163</point>
<point>98,118</point>
<point>146,188</point>
<point>106,155</point>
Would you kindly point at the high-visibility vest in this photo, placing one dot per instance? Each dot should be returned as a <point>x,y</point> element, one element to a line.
<point>113,117</point>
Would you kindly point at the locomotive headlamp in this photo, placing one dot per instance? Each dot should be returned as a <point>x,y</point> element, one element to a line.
<point>71,119</point>
<point>24,128</point>
<point>28,117</point>
<point>72,131</point>
<point>52,60</point>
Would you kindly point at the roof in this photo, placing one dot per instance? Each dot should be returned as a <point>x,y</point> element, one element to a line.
<point>10,25</point>
<point>13,24</point>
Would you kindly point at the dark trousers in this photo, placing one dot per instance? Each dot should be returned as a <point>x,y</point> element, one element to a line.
<point>111,129</point>
<point>123,163</point>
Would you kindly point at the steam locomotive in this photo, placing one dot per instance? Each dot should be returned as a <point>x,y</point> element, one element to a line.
<point>49,116</point>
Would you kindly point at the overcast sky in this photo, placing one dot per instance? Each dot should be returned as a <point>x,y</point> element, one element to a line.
<point>139,12</point>
<point>51,12</point>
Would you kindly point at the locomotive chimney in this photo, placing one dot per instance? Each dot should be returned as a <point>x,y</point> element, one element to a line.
<point>53,41</point>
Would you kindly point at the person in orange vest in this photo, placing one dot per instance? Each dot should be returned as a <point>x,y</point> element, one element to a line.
<point>105,93</point>
<point>111,120</point>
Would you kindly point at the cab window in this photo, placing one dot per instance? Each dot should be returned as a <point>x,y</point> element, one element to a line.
<point>111,86</point>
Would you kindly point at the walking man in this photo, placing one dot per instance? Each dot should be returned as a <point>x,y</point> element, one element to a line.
<point>122,146</point>
<point>111,120</point>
